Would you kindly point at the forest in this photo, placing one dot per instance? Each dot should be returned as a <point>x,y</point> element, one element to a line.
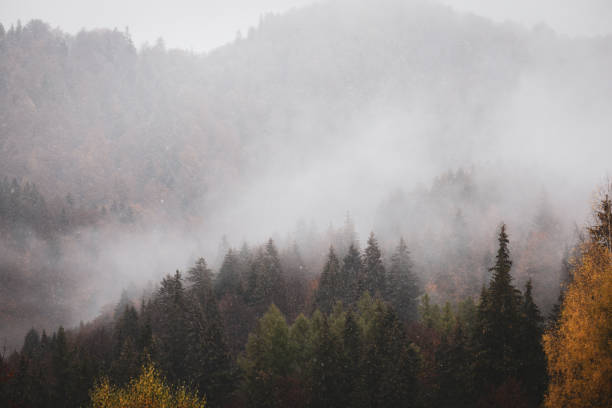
<point>260,333</point>
<point>354,203</point>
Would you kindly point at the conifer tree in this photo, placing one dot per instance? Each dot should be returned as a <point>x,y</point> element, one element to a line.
<point>373,276</point>
<point>268,361</point>
<point>326,370</point>
<point>327,292</point>
<point>228,279</point>
<point>403,286</point>
<point>499,317</point>
<point>266,283</point>
<point>171,326</point>
<point>533,370</point>
<point>207,359</point>
<point>349,276</point>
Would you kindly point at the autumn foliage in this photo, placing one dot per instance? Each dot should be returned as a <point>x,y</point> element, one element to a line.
<point>579,348</point>
<point>149,390</point>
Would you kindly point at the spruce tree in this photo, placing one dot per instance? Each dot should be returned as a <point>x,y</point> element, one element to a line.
<point>171,326</point>
<point>499,319</point>
<point>403,285</point>
<point>349,276</point>
<point>373,275</point>
<point>207,359</point>
<point>266,282</point>
<point>533,370</point>
<point>327,292</point>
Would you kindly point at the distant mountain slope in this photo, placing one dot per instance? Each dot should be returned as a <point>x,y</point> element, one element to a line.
<point>162,128</point>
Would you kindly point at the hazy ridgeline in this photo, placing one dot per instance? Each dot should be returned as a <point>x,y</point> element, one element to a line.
<point>418,121</point>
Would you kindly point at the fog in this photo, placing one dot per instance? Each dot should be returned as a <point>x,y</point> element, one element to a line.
<point>204,25</point>
<point>320,110</point>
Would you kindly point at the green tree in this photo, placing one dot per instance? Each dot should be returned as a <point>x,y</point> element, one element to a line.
<point>207,357</point>
<point>171,326</point>
<point>328,290</point>
<point>373,276</point>
<point>229,280</point>
<point>403,285</point>
<point>350,274</point>
<point>533,370</point>
<point>266,283</point>
<point>268,361</point>
<point>497,333</point>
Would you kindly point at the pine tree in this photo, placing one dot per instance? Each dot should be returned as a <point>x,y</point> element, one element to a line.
<point>327,368</point>
<point>228,279</point>
<point>31,344</point>
<point>268,361</point>
<point>266,282</point>
<point>403,286</point>
<point>327,292</point>
<point>390,361</point>
<point>533,370</point>
<point>126,354</point>
<point>498,327</point>
<point>207,359</point>
<point>171,326</point>
<point>61,392</point>
<point>352,383</point>
<point>349,276</point>
<point>373,276</point>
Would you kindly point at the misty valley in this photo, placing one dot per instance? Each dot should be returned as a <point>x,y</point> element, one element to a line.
<point>359,203</point>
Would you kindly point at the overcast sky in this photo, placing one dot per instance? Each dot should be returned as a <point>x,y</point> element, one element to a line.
<point>201,25</point>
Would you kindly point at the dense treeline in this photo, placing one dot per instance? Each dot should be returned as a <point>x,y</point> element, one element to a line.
<point>352,338</point>
<point>180,140</point>
<point>328,348</point>
<point>36,285</point>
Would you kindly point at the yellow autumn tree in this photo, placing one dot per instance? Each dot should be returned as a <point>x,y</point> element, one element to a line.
<point>146,391</point>
<point>579,348</point>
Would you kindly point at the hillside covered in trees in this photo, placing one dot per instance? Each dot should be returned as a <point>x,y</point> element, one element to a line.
<point>355,203</point>
<point>259,333</point>
<point>152,155</point>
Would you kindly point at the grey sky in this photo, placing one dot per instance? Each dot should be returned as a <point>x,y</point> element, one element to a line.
<point>205,24</point>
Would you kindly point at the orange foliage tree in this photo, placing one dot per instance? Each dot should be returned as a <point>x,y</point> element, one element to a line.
<point>579,348</point>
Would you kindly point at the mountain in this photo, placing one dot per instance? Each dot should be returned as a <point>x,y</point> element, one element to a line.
<point>316,111</point>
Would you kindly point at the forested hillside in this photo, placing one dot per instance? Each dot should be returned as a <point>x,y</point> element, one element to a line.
<point>355,203</point>
<point>288,122</point>
<point>261,333</point>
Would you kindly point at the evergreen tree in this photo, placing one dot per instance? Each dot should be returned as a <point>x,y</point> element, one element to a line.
<point>403,286</point>
<point>171,326</point>
<point>228,280</point>
<point>390,361</point>
<point>533,370</point>
<point>61,392</point>
<point>349,276</point>
<point>126,354</point>
<point>327,368</point>
<point>31,344</point>
<point>207,359</point>
<point>266,283</point>
<point>497,333</point>
<point>268,361</point>
<point>454,376</point>
<point>373,276</point>
<point>328,290</point>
